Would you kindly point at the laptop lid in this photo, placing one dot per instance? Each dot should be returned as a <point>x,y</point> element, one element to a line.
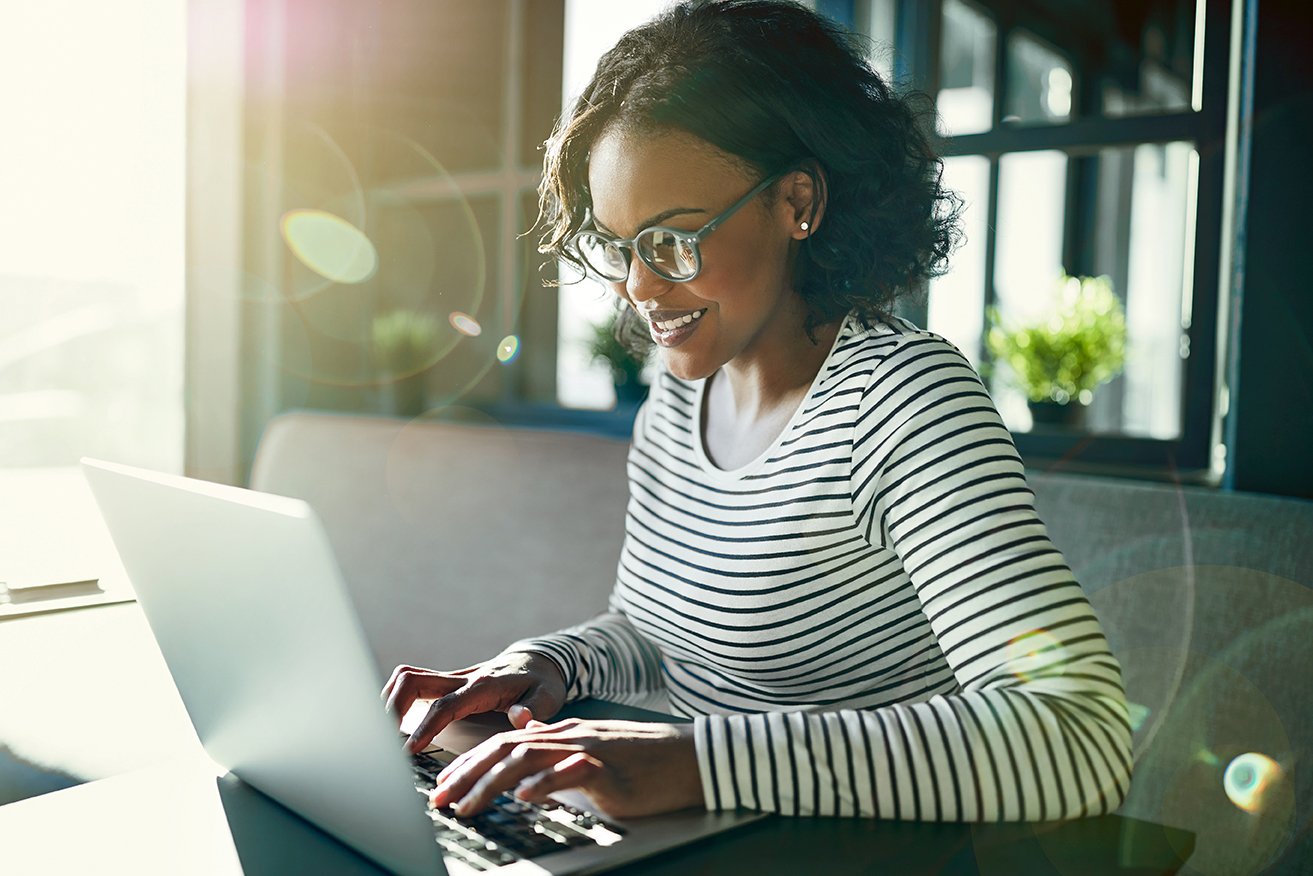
<point>250,577</point>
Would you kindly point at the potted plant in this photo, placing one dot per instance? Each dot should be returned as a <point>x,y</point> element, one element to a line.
<point>626,368</point>
<point>1058,360</point>
<point>403,343</point>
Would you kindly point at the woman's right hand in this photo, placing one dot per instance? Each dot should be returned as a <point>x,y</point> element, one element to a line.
<point>527,680</point>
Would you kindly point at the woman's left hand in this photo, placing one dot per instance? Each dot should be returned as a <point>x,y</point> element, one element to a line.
<point>627,768</point>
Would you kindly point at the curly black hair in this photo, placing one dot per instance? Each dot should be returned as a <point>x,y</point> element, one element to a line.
<point>774,85</point>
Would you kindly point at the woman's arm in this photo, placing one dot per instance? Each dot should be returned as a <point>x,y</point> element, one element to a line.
<point>1040,729</point>
<point>604,657</point>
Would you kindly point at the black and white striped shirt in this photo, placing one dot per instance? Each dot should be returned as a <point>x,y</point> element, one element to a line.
<point>867,619</point>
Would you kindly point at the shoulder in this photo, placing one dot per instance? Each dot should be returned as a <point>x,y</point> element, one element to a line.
<point>921,388</point>
<point>891,355</point>
<point>907,358</point>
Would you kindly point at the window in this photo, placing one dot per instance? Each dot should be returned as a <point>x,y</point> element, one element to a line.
<point>591,27</point>
<point>91,283</point>
<point>1084,138</point>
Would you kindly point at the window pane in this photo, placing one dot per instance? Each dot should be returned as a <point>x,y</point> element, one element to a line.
<point>957,299</point>
<point>1153,185</point>
<point>1154,89</point>
<point>91,219</point>
<point>591,27</point>
<point>966,73</point>
<point>878,19</point>
<point>1153,61</point>
<point>1028,254</point>
<point>1039,82</point>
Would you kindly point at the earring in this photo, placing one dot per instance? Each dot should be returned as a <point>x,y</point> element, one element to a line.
<point>805,226</point>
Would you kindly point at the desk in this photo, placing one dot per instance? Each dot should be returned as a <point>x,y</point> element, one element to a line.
<point>175,818</point>
<point>170,816</point>
<point>86,694</point>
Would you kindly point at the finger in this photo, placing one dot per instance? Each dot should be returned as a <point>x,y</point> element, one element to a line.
<point>392,679</point>
<point>459,776</point>
<point>522,718</point>
<point>519,715</point>
<point>421,684</point>
<point>540,703</point>
<point>525,760</point>
<point>579,770</point>
<point>468,700</point>
<point>500,769</point>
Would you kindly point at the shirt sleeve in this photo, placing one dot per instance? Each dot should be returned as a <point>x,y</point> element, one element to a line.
<point>1039,729</point>
<point>604,657</point>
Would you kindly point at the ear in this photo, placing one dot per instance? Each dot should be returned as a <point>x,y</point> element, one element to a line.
<point>804,192</point>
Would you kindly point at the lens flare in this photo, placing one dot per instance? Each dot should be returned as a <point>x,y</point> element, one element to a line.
<point>508,349</point>
<point>1036,654</point>
<point>329,245</point>
<point>1138,714</point>
<point>465,324</point>
<point>1247,777</point>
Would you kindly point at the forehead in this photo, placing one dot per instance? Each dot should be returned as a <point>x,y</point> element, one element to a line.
<point>633,176</point>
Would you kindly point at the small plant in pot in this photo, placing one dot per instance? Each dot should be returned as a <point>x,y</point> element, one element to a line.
<point>404,344</point>
<point>1057,361</point>
<point>626,366</point>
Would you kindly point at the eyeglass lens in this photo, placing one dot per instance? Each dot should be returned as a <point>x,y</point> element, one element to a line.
<point>669,255</point>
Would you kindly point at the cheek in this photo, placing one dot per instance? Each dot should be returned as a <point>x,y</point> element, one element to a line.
<point>620,291</point>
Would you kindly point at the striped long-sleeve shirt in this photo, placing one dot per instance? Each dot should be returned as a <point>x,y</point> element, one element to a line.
<point>867,619</point>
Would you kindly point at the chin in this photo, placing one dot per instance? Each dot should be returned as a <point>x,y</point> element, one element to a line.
<point>687,367</point>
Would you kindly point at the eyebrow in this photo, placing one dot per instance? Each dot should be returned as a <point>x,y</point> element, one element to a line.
<point>651,220</point>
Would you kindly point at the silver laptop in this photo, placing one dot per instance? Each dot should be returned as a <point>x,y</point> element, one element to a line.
<point>251,614</point>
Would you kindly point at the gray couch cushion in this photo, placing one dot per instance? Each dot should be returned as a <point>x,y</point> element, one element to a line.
<point>1206,599</point>
<point>455,540</point>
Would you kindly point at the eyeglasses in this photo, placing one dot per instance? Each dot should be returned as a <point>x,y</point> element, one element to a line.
<point>672,253</point>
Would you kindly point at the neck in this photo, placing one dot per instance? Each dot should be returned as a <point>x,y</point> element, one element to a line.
<point>777,370</point>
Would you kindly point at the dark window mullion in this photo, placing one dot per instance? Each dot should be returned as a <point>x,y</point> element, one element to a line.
<point>1082,136</point>
<point>1199,398</point>
<point>990,297</point>
<point>1081,211</point>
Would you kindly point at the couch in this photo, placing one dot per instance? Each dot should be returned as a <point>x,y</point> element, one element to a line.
<point>456,539</point>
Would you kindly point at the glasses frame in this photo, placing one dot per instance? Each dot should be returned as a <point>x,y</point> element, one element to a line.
<point>630,248</point>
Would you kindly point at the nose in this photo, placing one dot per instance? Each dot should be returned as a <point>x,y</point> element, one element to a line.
<point>642,284</point>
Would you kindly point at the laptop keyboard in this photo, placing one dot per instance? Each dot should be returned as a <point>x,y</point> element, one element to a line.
<point>511,829</point>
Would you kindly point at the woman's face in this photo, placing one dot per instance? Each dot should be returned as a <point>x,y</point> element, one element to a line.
<point>743,293</point>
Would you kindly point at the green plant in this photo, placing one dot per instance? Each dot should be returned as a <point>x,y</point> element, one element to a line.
<point>605,347</point>
<point>1080,345</point>
<point>404,341</point>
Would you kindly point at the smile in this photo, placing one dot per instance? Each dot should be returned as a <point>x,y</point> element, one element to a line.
<point>670,325</point>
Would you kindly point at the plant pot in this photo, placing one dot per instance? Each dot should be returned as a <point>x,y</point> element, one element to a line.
<point>1051,414</point>
<point>629,390</point>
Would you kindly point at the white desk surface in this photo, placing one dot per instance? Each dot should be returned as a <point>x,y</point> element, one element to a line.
<point>85,690</point>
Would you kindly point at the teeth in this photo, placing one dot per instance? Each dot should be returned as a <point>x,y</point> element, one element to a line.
<point>672,324</point>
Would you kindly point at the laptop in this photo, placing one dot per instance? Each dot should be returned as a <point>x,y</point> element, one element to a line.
<point>258,629</point>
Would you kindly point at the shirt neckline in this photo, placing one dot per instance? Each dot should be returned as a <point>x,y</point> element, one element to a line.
<point>713,471</point>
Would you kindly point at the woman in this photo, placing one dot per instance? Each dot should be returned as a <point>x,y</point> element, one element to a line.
<point>832,561</point>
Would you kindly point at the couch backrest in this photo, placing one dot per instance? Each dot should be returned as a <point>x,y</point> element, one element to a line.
<point>455,540</point>
<point>1207,600</point>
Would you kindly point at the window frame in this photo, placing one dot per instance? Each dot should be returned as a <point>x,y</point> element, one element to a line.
<point>917,32</point>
